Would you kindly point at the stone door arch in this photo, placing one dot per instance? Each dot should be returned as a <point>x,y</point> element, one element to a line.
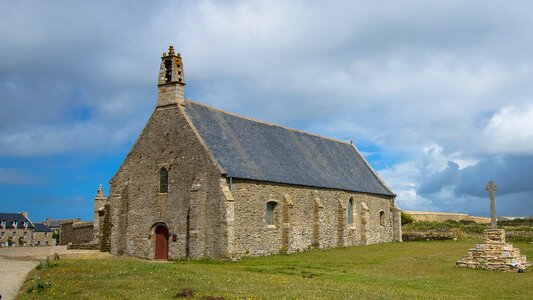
<point>161,242</point>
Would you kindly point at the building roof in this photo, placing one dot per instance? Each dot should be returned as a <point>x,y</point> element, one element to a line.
<point>18,218</point>
<point>250,149</point>
<point>40,227</point>
<point>56,223</point>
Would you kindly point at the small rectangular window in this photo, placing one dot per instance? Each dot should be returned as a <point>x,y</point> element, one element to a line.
<point>270,212</point>
<point>350,212</point>
<point>163,180</point>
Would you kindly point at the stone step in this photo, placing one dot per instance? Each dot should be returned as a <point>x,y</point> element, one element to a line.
<point>494,254</point>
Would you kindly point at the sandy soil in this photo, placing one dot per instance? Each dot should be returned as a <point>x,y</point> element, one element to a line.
<point>17,262</point>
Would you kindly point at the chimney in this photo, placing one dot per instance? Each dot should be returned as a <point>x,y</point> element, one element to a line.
<point>24,213</point>
<point>171,82</point>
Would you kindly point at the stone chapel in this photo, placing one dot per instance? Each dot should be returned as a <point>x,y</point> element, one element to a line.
<point>200,182</point>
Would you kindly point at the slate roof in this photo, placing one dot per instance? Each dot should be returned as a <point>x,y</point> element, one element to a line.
<point>40,227</point>
<point>250,149</point>
<point>10,218</point>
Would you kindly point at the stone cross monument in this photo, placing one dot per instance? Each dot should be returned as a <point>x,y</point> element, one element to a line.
<point>494,253</point>
<point>491,187</point>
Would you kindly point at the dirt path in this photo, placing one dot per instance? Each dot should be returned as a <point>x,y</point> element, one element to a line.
<point>17,262</point>
<point>12,275</point>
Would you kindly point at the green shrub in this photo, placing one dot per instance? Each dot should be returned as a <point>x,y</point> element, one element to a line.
<point>38,286</point>
<point>46,264</point>
<point>517,222</point>
<point>406,218</point>
<point>467,222</point>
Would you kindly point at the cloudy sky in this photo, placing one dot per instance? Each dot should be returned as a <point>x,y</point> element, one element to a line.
<point>438,95</point>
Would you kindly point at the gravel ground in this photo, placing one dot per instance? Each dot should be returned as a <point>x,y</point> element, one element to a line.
<point>17,262</point>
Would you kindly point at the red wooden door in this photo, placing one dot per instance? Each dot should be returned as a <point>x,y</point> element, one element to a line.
<point>161,243</point>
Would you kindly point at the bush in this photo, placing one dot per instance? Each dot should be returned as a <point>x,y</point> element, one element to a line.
<point>467,222</point>
<point>517,222</point>
<point>466,229</point>
<point>38,286</point>
<point>406,218</point>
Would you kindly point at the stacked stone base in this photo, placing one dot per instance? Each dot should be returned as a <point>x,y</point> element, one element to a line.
<point>494,254</point>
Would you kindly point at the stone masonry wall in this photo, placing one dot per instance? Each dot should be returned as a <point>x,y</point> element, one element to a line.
<point>83,233</point>
<point>305,218</point>
<point>104,232</point>
<point>192,209</point>
<point>67,234</point>
<point>76,232</point>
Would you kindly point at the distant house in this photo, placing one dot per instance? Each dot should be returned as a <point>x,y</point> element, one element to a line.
<point>42,235</point>
<point>15,230</point>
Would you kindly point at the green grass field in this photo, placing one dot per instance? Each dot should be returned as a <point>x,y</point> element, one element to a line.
<point>412,270</point>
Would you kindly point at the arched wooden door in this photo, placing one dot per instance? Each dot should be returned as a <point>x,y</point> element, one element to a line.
<point>161,242</point>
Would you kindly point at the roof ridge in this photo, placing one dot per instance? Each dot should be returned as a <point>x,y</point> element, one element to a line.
<point>267,123</point>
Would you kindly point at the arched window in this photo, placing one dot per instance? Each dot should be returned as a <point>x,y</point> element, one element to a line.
<point>350,212</point>
<point>271,206</point>
<point>163,180</point>
<point>382,218</point>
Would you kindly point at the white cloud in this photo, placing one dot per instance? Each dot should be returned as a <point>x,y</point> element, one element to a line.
<point>426,82</point>
<point>510,130</point>
<point>403,178</point>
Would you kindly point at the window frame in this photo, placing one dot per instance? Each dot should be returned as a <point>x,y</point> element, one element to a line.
<point>349,212</point>
<point>270,213</point>
<point>163,181</point>
<point>382,218</point>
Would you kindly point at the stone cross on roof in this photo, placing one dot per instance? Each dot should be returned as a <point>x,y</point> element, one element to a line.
<point>491,187</point>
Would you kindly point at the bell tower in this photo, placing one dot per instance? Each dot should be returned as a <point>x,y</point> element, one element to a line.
<point>171,82</point>
<point>100,201</point>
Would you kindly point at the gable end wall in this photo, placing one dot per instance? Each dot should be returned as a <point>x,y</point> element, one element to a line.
<point>169,141</point>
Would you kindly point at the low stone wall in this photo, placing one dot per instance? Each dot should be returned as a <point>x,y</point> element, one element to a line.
<point>441,217</point>
<point>84,246</point>
<point>429,236</point>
